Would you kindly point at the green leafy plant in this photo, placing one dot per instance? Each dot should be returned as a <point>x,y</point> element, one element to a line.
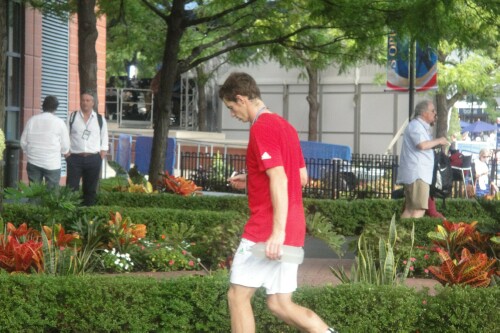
<point>116,262</point>
<point>218,244</point>
<point>59,250</point>
<point>163,257</point>
<point>92,233</point>
<point>321,227</point>
<point>60,199</point>
<point>377,266</point>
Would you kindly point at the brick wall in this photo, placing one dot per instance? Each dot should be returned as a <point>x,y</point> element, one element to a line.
<point>31,104</point>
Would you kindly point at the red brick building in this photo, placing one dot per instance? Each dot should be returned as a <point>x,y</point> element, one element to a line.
<point>42,59</point>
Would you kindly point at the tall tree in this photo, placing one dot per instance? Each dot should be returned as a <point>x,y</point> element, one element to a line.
<point>317,50</point>
<point>220,28</point>
<point>87,37</point>
<point>134,36</point>
<point>468,24</point>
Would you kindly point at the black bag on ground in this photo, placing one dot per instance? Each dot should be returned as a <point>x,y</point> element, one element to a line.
<point>442,179</point>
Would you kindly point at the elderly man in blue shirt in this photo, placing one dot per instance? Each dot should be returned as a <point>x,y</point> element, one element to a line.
<point>417,160</point>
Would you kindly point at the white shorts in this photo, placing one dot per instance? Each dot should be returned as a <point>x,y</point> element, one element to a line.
<point>249,271</point>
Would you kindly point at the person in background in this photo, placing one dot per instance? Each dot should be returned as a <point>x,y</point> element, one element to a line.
<point>276,174</point>
<point>417,160</point>
<point>89,146</point>
<point>481,174</point>
<point>44,140</point>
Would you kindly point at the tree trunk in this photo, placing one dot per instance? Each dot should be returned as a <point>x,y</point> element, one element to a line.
<point>312,99</point>
<point>167,80</point>
<point>87,56</point>
<point>202,99</point>
<point>442,113</point>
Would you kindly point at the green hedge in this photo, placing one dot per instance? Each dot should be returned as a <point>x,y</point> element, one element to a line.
<point>347,217</point>
<point>157,220</point>
<point>166,200</point>
<point>198,304</point>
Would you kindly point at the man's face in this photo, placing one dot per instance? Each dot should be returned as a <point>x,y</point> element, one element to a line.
<point>238,109</point>
<point>86,103</point>
<point>430,116</point>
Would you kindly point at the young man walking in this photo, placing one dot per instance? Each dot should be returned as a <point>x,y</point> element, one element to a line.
<point>276,174</point>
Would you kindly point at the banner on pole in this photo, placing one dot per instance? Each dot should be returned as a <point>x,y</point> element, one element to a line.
<point>398,57</point>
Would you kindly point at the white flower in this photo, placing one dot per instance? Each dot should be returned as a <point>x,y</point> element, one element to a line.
<point>117,262</point>
<point>126,267</point>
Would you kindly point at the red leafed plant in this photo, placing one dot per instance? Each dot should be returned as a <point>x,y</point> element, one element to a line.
<point>474,270</point>
<point>178,185</point>
<point>454,236</point>
<point>21,249</point>
<point>58,236</point>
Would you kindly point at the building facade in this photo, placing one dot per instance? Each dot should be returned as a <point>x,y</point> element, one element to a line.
<point>42,59</point>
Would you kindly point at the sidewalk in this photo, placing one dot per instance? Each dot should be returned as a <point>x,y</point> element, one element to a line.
<point>316,272</point>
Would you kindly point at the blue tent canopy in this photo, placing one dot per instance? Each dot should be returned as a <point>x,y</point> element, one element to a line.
<point>463,124</point>
<point>479,126</point>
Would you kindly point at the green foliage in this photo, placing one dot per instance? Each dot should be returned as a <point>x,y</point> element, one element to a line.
<point>376,266</point>
<point>217,244</point>
<point>321,227</point>
<point>95,303</point>
<point>60,201</point>
<point>57,260</point>
<point>92,233</point>
<point>116,262</point>
<point>167,200</point>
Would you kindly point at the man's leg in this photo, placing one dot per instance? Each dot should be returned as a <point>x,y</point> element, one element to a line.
<point>282,306</point>
<point>35,174</point>
<point>90,178</point>
<point>74,172</point>
<point>52,178</point>
<point>240,308</point>
<point>416,199</point>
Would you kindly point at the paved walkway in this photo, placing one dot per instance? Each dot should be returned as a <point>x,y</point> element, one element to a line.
<point>316,272</point>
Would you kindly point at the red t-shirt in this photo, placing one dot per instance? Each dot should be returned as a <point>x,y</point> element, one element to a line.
<point>274,142</point>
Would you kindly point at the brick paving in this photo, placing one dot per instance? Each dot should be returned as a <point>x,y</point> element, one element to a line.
<point>316,272</point>
<point>312,272</point>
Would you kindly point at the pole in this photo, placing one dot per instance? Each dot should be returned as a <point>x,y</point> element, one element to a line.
<point>411,74</point>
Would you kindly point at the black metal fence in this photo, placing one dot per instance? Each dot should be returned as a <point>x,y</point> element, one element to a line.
<point>364,176</point>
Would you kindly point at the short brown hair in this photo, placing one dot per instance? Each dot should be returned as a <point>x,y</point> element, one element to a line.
<point>239,83</point>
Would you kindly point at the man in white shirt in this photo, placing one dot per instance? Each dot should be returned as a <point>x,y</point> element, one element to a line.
<point>89,146</point>
<point>44,139</point>
<point>416,163</point>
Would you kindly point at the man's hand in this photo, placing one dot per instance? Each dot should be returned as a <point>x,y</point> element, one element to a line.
<point>273,246</point>
<point>443,141</point>
<point>238,182</point>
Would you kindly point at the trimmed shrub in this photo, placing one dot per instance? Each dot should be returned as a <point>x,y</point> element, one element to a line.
<point>131,303</point>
